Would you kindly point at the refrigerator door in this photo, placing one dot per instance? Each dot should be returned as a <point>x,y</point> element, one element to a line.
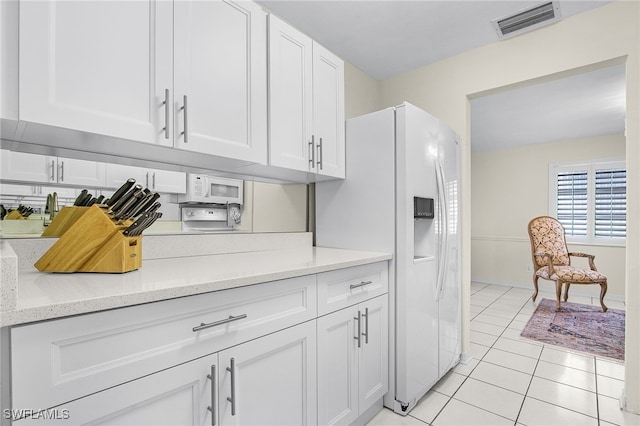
<point>450,287</point>
<point>416,305</point>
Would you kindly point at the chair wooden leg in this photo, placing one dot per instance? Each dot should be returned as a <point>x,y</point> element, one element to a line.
<point>558,294</point>
<point>565,296</point>
<point>603,291</point>
<point>535,288</point>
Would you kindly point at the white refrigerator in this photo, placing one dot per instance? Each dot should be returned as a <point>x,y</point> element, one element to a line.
<point>401,195</point>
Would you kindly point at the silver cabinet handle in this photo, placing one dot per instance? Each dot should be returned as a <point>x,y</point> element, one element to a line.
<point>312,152</point>
<point>146,178</point>
<point>53,170</point>
<point>362,284</point>
<point>212,407</point>
<point>366,325</point>
<point>319,162</point>
<point>357,337</point>
<point>185,132</point>
<point>153,180</point>
<point>166,114</point>
<point>202,325</point>
<point>232,399</point>
<point>61,173</point>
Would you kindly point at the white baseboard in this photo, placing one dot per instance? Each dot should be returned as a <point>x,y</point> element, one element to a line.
<point>576,290</point>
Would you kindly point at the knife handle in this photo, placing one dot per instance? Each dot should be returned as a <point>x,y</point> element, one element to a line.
<point>126,210</point>
<point>117,206</point>
<point>120,192</point>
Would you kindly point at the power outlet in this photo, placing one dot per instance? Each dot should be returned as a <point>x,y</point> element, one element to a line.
<point>528,268</point>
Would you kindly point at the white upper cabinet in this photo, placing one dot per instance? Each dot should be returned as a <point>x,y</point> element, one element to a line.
<point>27,167</point>
<point>306,103</point>
<point>97,66</point>
<point>328,112</point>
<point>163,181</point>
<point>184,74</point>
<point>290,97</point>
<point>221,79</point>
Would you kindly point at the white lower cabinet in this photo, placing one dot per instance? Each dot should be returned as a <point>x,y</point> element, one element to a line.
<point>271,380</point>
<point>352,361</point>
<point>267,381</point>
<point>254,355</point>
<point>177,396</point>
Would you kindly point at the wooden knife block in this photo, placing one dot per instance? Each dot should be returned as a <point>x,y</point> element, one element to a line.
<point>93,243</point>
<point>62,221</point>
<point>14,215</point>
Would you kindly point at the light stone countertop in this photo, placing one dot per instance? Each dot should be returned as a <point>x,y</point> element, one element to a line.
<point>40,296</point>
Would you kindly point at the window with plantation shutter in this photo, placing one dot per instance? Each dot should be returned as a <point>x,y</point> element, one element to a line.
<point>611,203</point>
<point>590,200</point>
<point>571,201</point>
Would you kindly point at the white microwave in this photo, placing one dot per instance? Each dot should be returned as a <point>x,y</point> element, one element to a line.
<point>212,190</point>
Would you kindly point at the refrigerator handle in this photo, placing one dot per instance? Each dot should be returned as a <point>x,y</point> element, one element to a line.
<point>444,229</point>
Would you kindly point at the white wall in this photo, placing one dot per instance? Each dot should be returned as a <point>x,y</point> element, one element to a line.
<point>360,92</point>
<point>608,34</point>
<point>509,187</point>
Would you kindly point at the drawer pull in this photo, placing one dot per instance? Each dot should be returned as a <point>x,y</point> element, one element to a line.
<point>362,284</point>
<point>359,333</point>
<point>212,407</point>
<point>232,399</point>
<point>366,325</point>
<point>202,326</point>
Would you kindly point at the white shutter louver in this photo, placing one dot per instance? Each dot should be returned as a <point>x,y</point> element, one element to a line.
<point>611,203</point>
<point>572,200</point>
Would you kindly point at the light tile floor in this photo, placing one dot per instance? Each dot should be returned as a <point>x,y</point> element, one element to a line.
<point>517,381</point>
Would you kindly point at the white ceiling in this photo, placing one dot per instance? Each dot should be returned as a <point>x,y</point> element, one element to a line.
<point>385,38</point>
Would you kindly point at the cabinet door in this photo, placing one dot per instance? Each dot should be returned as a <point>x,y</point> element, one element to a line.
<point>328,112</point>
<point>176,396</point>
<point>273,379</point>
<point>373,354</point>
<point>117,174</point>
<point>10,190</point>
<point>81,172</point>
<point>338,367</point>
<point>167,182</point>
<point>97,66</point>
<point>290,97</point>
<point>26,167</point>
<point>220,79</point>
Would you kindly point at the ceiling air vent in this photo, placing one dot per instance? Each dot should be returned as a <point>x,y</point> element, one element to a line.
<point>527,20</point>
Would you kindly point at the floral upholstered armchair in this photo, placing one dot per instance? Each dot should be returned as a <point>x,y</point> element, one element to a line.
<point>552,260</point>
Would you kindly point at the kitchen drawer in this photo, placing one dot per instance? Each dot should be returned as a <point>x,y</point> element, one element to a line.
<point>345,287</point>
<point>56,361</point>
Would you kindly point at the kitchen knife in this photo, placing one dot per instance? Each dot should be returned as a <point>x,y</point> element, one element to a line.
<point>121,191</point>
<point>80,197</point>
<point>149,202</point>
<point>117,206</point>
<point>148,223</point>
<point>121,213</point>
<point>85,200</point>
<point>154,207</point>
<point>100,199</point>
<point>141,206</point>
<point>149,219</point>
<point>129,232</point>
<point>135,207</point>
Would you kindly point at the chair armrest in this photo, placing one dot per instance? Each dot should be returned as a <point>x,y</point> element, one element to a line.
<point>590,257</point>
<point>549,263</point>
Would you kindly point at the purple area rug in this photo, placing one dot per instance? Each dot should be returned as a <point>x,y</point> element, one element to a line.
<point>578,327</point>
